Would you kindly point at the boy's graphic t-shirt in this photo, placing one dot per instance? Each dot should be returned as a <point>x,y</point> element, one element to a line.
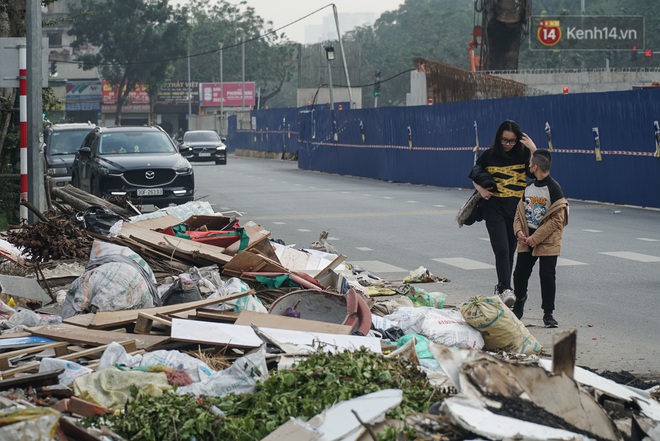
<point>538,199</point>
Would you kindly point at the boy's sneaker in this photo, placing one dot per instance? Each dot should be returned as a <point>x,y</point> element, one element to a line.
<point>508,297</point>
<point>550,321</point>
<point>519,307</point>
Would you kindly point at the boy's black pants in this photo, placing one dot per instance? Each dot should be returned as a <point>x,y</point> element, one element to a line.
<point>547,273</point>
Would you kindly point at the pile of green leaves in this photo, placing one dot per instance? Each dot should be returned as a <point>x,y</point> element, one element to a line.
<point>304,391</point>
<point>168,417</point>
<point>319,382</point>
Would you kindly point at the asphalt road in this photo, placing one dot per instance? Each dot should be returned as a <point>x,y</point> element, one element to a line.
<point>608,277</point>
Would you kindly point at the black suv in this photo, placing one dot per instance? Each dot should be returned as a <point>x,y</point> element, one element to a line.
<point>60,144</point>
<point>141,163</point>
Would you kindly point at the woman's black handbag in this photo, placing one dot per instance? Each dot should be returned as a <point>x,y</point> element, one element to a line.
<point>471,211</point>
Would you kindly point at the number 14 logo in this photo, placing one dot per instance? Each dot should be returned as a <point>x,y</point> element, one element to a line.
<point>549,32</point>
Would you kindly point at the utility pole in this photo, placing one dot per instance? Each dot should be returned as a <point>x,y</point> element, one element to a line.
<point>222,87</point>
<point>343,55</point>
<point>34,47</point>
<point>243,69</point>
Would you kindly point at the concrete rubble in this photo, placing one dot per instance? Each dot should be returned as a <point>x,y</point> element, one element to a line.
<point>192,302</point>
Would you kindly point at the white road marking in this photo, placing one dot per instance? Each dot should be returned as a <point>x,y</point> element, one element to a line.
<point>388,197</point>
<point>633,256</point>
<point>303,230</point>
<point>593,231</point>
<point>568,262</point>
<point>646,239</point>
<point>363,248</point>
<point>412,202</point>
<point>376,266</point>
<point>440,206</point>
<point>279,223</point>
<point>463,263</point>
<point>333,238</point>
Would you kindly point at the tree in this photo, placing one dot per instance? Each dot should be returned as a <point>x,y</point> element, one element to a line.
<point>136,41</point>
<point>270,59</point>
<point>433,29</point>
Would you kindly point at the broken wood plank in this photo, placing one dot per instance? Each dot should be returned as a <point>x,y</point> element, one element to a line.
<point>83,320</point>
<point>245,262</point>
<point>81,200</point>
<point>145,321</point>
<point>34,380</point>
<point>176,245</point>
<point>73,334</point>
<point>265,248</point>
<point>248,318</point>
<point>129,345</point>
<point>59,347</point>
<point>105,319</point>
<point>564,346</point>
<point>216,315</point>
<point>256,233</point>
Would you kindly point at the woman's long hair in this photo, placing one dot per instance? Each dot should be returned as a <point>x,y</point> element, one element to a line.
<point>518,149</point>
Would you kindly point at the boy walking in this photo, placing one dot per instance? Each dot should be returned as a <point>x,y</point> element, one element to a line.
<point>540,219</point>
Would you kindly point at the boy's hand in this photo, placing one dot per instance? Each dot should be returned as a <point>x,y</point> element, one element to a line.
<point>531,242</point>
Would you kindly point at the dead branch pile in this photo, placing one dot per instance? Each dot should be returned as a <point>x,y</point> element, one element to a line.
<point>53,239</point>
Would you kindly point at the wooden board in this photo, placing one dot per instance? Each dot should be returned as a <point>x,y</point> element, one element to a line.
<point>255,232</point>
<point>73,334</point>
<point>248,318</point>
<point>83,320</point>
<point>176,245</point>
<point>106,319</point>
<point>246,261</point>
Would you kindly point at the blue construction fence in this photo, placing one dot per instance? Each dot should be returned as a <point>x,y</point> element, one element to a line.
<point>436,145</point>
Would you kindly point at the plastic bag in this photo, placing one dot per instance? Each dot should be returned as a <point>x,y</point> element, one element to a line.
<point>443,326</point>
<point>116,278</point>
<point>421,297</point>
<point>501,329</point>
<point>241,377</point>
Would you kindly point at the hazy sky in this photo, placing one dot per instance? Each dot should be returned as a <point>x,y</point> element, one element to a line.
<point>282,12</point>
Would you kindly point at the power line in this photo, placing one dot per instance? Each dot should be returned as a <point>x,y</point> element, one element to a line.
<point>200,54</point>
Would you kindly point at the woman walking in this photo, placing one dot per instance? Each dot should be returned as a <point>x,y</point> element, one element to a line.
<point>506,161</point>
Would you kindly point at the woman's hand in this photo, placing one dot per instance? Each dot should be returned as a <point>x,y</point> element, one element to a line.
<point>527,142</point>
<point>484,192</point>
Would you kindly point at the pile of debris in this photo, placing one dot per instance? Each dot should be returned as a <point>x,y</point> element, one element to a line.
<point>190,324</point>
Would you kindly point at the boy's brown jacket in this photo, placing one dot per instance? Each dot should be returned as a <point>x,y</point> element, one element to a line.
<point>549,233</point>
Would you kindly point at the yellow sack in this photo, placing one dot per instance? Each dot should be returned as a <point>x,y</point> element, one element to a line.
<point>500,328</point>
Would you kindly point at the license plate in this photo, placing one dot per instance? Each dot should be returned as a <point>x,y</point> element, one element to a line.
<point>204,155</point>
<point>150,192</point>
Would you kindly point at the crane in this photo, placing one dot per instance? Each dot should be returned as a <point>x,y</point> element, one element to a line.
<point>504,26</point>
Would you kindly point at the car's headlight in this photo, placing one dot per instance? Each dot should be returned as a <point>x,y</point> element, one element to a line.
<point>107,172</point>
<point>57,171</point>
<point>221,147</point>
<point>183,167</point>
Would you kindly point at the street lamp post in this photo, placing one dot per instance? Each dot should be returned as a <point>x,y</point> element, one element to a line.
<point>330,55</point>
<point>189,91</point>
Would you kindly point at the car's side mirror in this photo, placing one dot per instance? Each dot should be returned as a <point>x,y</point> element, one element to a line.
<point>223,139</point>
<point>84,151</point>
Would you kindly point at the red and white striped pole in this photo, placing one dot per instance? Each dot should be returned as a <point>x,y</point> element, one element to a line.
<point>22,83</point>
